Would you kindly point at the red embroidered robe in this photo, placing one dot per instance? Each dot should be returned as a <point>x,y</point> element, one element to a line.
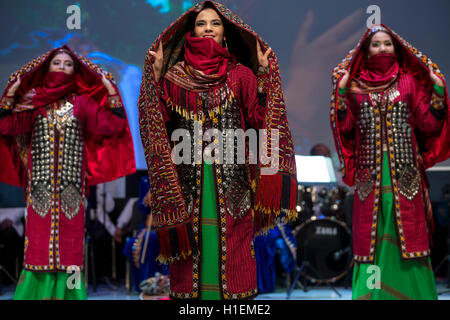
<point>387,121</point>
<point>57,175</point>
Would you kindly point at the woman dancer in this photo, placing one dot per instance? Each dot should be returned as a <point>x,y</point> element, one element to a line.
<point>389,115</point>
<point>209,70</point>
<point>63,128</point>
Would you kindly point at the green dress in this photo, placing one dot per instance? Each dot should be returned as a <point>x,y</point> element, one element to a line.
<point>209,267</point>
<point>50,286</point>
<point>391,277</point>
<point>46,286</point>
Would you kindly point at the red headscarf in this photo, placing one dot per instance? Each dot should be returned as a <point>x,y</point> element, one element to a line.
<point>56,85</point>
<point>434,147</point>
<point>108,157</point>
<point>379,69</point>
<point>207,56</point>
<point>204,67</point>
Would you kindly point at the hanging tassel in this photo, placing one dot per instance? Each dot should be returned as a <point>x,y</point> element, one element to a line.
<point>293,201</point>
<point>268,194</point>
<point>275,202</point>
<point>267,202</point>
<point>176,242</point>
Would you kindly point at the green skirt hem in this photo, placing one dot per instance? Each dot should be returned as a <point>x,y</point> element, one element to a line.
<point>391,277</point>
<point>50,286</point>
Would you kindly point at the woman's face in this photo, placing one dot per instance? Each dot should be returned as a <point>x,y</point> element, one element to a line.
<point>381,42</point>
<point>209,25</point>
<point>62,62</point>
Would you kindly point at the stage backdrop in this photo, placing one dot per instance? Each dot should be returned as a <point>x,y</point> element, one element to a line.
<point>309,38</point>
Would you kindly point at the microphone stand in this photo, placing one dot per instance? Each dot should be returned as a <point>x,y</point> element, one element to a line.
<point>447,257</point>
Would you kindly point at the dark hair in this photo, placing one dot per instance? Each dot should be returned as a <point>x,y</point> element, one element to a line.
<point>366,44</point>
<point>234,41</point>
<point>320,149</point>
<point>60,51</point>
<point>207,5</point>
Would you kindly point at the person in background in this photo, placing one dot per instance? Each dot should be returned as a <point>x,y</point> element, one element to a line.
<point>142,250</point>
<point>390,120</point>
<point>320,150</point>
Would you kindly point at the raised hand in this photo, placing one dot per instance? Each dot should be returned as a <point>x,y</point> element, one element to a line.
<point>12,90</point>
<point>344,79</point>
<point>158,58</point>
<point>436,80</point>
<point>109,86</point>
<point>263,58</point>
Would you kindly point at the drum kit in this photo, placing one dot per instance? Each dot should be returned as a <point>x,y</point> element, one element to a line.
<point>324,239</point>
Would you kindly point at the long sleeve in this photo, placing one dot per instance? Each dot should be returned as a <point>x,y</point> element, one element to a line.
<point>104,199</point>
<point>252,109</point>
<point>98,120</point>
<point>106,221</point>
<point>344,112</point>
<point>428,110</point>
<point>14,123</point>
<point>164,100</point>
<point>127,213</point>
<point>105,204</point>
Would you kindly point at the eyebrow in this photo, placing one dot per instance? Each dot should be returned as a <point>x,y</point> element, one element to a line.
<point>63,60</point>
<point>214,20</point>
<point>378,41</point>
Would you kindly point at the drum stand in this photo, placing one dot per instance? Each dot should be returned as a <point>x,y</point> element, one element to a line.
<point>298,272</point>
<point>2,268</point>
<point>446,258</point>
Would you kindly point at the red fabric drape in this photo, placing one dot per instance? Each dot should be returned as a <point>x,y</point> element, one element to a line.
<point>379,69</point>
<point>109,157</point>
<point>206,55</point>
<point>56,85</point>
<point>430,138</point>
<point>434,148</point>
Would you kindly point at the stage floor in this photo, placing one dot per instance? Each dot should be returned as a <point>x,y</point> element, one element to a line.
<point>118,292</point>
